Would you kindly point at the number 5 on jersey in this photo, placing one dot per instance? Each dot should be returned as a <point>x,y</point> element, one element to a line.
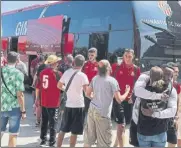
<point>45,81</point>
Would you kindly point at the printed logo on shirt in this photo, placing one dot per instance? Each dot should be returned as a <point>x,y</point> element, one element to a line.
<point>120,72</point>
<point>157,105</point>
<point>95,69</point>
<point>132,74</point>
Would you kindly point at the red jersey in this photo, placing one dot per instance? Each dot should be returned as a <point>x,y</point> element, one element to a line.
<point>90,69</point>
<point>125,76</point>
<point>177,86</point>
<point>50,94</point>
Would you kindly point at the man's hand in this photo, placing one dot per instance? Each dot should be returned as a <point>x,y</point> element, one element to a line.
<point>37,102</point>
<point>23,116</point>
<point>165,95</point>
<point>147,112</point>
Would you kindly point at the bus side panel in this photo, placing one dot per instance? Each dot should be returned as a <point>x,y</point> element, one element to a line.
<point>45,34</point>
<point>164,14</point>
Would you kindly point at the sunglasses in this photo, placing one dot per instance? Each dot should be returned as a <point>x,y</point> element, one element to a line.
<point>91,55</point>
<point>129,50</point>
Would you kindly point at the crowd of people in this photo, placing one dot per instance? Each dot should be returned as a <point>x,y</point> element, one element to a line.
<point>85,97</point>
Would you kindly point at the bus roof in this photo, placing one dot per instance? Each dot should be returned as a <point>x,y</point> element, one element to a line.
<point>32,7</point>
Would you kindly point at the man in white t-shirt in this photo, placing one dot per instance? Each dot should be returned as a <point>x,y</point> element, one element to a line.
<point>73,116</point>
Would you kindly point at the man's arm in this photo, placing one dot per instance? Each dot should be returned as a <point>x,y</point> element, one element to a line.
<point>141,92</point>
<point>61,86</point>
<point>19,89</point>
<point>25,69</point>
<point>120,98</point>
<point>89,92</point>
<point>61,82</point>
<point>171,107</point>
<point>21,100</point>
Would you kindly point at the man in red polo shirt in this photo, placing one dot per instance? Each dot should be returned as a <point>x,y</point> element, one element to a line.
<point>126,74</point>
<point>50,99</point>
<point>174,125</point>
<point>90,69</point>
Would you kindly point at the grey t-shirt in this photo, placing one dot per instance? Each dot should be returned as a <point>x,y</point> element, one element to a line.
<point>103,89</point>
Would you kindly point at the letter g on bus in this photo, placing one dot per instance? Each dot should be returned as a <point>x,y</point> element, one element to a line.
<point>21,28</point>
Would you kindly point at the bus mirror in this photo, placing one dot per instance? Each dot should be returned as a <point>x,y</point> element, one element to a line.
<point>68,43</point>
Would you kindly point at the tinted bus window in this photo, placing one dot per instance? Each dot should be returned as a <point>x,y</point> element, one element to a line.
<point>119,40</point>
<point>88,16</point>
<point>81,44</point>
<point>95,16</point>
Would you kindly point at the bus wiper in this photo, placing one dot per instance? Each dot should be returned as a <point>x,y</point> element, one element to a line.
<point>161,29</point>
<point>151,39</point>
<point>154,41</point>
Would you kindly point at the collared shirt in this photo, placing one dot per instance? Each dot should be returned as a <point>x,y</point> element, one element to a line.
<point>125,76</point>
<point>15,82</point>
<point>90,69</point>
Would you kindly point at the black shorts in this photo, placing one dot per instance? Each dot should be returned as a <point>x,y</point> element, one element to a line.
<point>133,140</point>
<point>122,112</point>
<point>73,121</point>
<point>172,132</point>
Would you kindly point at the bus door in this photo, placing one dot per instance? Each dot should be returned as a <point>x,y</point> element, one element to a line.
<point>99,41</point>
<point>44,35</point>
<point>13,44</point>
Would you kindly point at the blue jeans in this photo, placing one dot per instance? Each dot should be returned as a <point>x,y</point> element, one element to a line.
<point>14,118</point>
<point>152,141</point>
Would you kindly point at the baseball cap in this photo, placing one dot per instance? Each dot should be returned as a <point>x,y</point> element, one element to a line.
<point>52,59</point>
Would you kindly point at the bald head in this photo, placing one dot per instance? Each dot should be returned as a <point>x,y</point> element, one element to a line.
<point>156,74</point>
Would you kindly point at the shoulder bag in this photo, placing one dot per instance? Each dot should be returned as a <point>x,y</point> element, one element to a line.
<point>64,94</point>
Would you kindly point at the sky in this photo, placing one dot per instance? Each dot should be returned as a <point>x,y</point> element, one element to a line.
<point>13,5</point>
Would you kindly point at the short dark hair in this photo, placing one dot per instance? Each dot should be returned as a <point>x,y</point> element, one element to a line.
<point>79,60</point>
<point>12,57</point>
